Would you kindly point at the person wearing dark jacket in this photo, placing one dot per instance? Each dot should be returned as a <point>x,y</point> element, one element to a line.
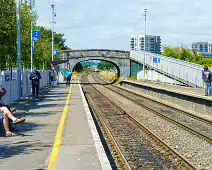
<point>35,77</point>
<point>207,78</point>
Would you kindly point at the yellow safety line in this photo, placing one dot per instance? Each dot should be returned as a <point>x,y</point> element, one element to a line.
<point>59,135</point>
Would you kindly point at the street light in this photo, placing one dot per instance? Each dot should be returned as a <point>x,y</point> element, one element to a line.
<point>19,46</point>
<point>32,4</point>
<point>53,22</point>
<point>145,11</point>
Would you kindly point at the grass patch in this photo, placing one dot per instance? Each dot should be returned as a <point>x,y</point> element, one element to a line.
<point>132,78</point>
<point>108,76</point>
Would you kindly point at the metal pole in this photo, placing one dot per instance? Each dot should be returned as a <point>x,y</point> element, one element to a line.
<point>32,43</point>
<point>145,11</point>
<point>19,48</point>
<point>32,4</point>
<point>53,15</point>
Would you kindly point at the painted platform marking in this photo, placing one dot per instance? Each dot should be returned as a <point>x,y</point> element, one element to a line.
<point>58,139</point>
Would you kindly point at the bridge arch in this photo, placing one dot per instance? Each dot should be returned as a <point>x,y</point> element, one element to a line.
<point>117,67</point>
<point>120,59</point>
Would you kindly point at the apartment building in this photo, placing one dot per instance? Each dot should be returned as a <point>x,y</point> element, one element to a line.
<point>203,48</point>
<point>153,43</point>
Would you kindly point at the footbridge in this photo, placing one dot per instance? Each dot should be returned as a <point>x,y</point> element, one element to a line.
<point>120,59</point>
<point>178,70</point>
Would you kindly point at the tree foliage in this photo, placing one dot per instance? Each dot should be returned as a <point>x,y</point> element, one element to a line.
<point>187,55</point>
<point>8,33</point>
<point>105,65</point>
<point>78,67</point>
<point>8,38</point>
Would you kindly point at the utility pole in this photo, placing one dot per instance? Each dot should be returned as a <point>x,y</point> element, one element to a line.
<point>145,11</point>
<point>53,22</point>
<point>32,4</point>
<point>19,47</point>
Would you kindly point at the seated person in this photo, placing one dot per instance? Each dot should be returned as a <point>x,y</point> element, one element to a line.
<point>5,119</point>
<point>6,116</point>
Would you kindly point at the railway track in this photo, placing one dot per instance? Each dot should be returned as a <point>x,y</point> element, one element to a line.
<point>132,145</point>
<point>196,125</point>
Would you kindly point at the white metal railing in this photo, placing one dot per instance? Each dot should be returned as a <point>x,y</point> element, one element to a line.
<point>185,72</point>
<point>11,85</point>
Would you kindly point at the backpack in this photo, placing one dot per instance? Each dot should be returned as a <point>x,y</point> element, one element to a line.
<point>210,77</point>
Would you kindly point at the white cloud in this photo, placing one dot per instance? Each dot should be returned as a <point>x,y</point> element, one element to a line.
<point>109,24</point>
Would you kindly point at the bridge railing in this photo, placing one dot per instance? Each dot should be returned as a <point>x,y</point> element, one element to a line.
<point>179,70</point>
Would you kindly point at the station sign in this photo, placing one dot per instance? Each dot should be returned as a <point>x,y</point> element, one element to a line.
<point>56,53</point>
<point>36,35</point>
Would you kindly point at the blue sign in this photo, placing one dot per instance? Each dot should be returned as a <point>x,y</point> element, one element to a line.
<point>56,53</point>
<point>36,35</point>
<point>158,60</point>
<point>155,60</point>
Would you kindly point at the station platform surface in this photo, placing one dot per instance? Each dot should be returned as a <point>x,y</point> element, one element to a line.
<point>81,147</point>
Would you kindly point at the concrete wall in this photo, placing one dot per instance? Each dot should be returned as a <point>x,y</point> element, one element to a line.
<point>186,101</point>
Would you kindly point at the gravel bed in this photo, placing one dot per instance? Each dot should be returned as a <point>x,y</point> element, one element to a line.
<point>200,114</point>
<point>198,151</point>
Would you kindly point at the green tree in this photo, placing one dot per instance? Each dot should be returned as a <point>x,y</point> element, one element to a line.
<point>169,52</point>
<point>105,65</point>
<point>7,33</point>
<point>43,48</point>
<point>78,67</point>
<point>8,38</point>
<point>26,24</point>
<point>187,55</point>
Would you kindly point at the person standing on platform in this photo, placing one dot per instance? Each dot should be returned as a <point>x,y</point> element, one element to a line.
<point>207,78</point>
<point>35,77</point>
<point>68,77</point>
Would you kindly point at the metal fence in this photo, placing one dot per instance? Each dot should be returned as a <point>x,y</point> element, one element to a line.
<point>8,80</point>
<point>182,71</point>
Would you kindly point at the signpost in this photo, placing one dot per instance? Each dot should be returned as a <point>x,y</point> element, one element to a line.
<point>56,53</point>
<point>35,38</point>
<point>36,35</point>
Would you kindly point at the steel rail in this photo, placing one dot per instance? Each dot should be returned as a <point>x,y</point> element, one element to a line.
<point>188,164</point>
<point>208,139</point>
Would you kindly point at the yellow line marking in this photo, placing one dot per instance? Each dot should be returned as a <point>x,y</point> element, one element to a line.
<point>59,135</point>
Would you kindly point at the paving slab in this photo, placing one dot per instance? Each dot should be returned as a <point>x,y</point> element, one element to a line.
<point>31,149</point>
<point>81,147</point>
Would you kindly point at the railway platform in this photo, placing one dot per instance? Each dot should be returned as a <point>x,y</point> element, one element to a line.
<point>81,148</point>
<point>188,91</point>
<point>190,99</point>
<point>50,140</point>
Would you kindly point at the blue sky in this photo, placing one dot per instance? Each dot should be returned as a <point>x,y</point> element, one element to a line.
<point>108,24</point>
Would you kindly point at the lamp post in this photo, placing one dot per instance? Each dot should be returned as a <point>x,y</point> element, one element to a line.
<point>53,22</point>
<point>145,11</point>
<point>19,47</point>
<point>32,3</point>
